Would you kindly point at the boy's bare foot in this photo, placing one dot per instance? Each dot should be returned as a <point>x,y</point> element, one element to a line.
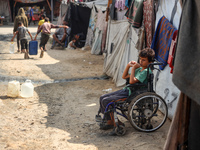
<point>26,56</point>
<point>42,54</point>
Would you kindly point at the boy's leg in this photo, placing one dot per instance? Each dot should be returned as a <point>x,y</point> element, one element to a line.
<point>18,46</point>
<point>43,41</point>
<point>30,20</point>
<point>26,54</point>
<point>105,100</point>
<point>42,52</point>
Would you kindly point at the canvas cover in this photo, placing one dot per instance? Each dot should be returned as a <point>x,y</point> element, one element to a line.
<point>116,42</point>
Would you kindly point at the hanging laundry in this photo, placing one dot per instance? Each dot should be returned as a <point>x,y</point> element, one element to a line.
<point>135,13</point>
<point>172,51</point>
<point>149,21</point>
<point>162,40</point>
<point>120,4</point>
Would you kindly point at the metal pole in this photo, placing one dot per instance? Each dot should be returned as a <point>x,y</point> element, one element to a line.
<point>51,10</point>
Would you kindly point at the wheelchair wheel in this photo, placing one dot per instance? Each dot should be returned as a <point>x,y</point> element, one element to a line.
<point>147,112</point>
<point>120,130</point>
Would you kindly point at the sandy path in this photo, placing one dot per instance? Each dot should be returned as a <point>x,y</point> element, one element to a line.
<point>60,116</point>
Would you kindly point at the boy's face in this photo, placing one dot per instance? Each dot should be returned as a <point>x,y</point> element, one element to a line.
<point>144,62</point>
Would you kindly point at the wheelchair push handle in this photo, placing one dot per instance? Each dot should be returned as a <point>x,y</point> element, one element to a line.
<point>153,64</point>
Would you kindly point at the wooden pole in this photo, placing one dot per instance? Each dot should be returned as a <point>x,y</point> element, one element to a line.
<point>15,3</point>
<point>49,5</point>
<point>51,10</point>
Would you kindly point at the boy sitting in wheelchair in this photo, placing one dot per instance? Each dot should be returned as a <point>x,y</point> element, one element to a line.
<point>138,75</point>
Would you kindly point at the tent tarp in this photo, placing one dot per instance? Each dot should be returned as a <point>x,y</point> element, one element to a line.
<point>116,42</point>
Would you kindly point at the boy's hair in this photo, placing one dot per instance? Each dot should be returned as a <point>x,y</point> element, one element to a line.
<point>43,16</point>
<point>46,19</point>
<point>148,53</point>
<point>19,23</point>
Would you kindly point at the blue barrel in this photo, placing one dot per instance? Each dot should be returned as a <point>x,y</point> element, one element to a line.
<point>33,47</point>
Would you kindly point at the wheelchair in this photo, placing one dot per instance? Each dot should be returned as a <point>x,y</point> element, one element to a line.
<point>144,109</point>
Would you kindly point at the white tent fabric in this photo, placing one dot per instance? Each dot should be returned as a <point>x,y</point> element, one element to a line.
<point>130,53</point>
<point>117,35</point>
<point>165,87</point>
<point>100,4</point>
<point>165,8</point>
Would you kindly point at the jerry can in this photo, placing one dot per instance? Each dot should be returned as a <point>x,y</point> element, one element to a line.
<point>13,89</point>
<point>12,48</point>
<point>33,47</point>
<point>27,89</point>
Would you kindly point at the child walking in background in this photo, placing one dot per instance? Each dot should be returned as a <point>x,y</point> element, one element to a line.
<point>45,33</point>
<point>21,30</point>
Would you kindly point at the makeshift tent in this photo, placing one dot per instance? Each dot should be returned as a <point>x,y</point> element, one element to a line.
<point>80,15</point>
<point>5,10</point>
<point>52,7</point>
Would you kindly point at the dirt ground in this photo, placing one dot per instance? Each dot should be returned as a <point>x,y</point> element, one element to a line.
<point>61,116</point>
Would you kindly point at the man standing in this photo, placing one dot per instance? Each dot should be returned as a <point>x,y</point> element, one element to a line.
<point>31,16</point>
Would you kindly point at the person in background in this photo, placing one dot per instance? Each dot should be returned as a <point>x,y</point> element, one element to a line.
<point>80,40</point>
<point>71,44</point>
<point>21,31</point>
<point>21,17</point>
<point>41,13</point>
<point>31,16</point>
<point>41,21</point>
<point>60,36</point>
<point>46,31</point>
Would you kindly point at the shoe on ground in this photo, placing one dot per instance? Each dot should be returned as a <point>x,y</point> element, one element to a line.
<point>42,54</point>
<point>104,126</point>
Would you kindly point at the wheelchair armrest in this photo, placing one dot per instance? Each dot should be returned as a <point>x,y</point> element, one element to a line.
<point>137,85</point>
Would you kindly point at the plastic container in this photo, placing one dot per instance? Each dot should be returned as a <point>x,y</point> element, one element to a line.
<point>12,47</point>
<point>33,47</point>
<point>27,89</point>
<point>13,89</point>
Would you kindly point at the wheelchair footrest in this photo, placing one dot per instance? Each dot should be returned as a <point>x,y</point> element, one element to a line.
<point>98,118</point>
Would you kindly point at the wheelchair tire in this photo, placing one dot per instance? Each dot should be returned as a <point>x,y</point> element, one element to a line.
<point>120,130</point>
<point>147,112</point>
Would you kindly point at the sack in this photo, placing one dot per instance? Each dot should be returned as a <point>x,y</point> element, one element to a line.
<point>33,18</point>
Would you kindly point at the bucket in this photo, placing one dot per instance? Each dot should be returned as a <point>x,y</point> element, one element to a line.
<point>12,47</point>
<point>13,89</point>
<point>27,89</point>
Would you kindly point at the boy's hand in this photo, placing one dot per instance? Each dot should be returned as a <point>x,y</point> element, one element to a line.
<point>131,63</point>
<point>66,27</point>
<point>136,65</point>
